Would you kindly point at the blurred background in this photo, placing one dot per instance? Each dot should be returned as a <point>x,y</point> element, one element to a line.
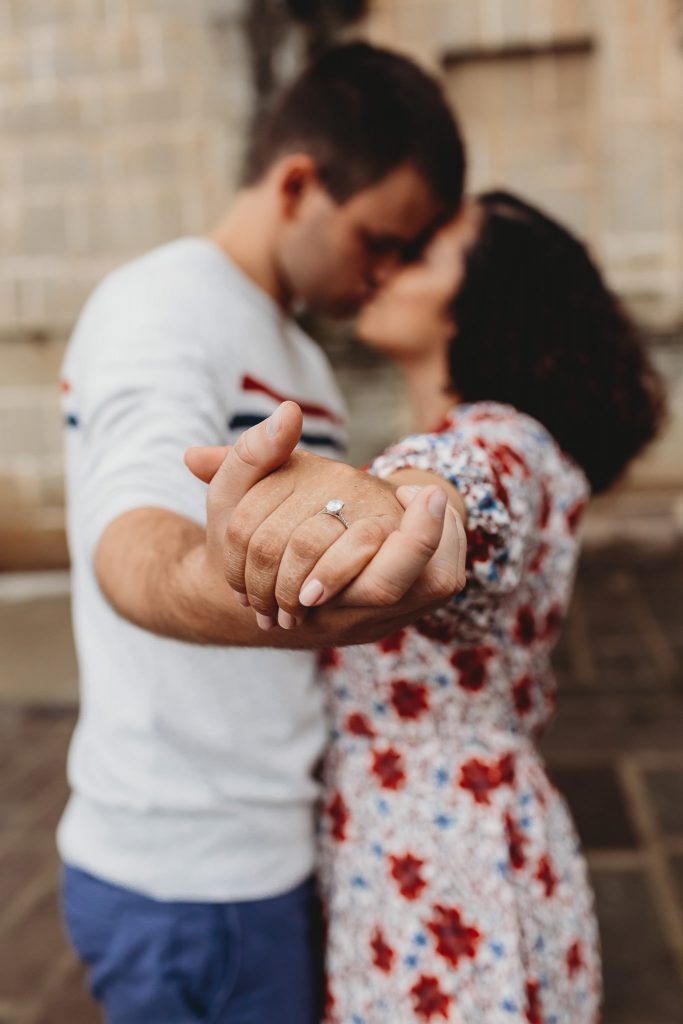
<point>125,123</point>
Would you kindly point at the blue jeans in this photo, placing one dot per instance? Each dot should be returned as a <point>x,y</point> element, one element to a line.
<point>153,962</point>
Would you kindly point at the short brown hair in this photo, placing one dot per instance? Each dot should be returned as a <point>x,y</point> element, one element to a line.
<point>360,112</point>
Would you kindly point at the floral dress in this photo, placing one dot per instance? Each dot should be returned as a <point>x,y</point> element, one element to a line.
<point>454,886</point>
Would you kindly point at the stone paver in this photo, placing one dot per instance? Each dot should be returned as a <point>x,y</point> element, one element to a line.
<point>615,750</point>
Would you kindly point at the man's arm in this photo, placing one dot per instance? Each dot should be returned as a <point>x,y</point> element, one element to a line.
<point>166,574</point>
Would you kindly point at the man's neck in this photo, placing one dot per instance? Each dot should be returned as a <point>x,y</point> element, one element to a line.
<point>246,236</point>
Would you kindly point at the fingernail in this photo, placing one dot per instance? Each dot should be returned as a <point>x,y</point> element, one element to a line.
<point>437,503</point>
<point>264,621</point>
<point>311,592</point>
<point>286,620</point>
<point>273,423</point>
<point>241,598</point>
<point>414,489</point>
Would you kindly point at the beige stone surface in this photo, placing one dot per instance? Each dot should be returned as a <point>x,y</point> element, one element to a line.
<point>124,123</point>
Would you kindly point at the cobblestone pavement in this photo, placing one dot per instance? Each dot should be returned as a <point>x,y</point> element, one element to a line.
<point>616,750</point>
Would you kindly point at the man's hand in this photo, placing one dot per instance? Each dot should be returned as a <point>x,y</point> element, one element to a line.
<point>280,555</point>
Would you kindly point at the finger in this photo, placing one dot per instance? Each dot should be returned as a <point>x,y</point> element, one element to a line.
<point>444,574</point>
<point>405,553</point>
<point>271,544</point>
<point>205,461</point>
<point>255,511</point>
<point>256,453</point>
<point>315,580</point>
<point>266,551</point>
<point>449,540</point>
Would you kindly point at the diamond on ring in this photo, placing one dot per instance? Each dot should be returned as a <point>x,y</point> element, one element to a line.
<point>334,508</point>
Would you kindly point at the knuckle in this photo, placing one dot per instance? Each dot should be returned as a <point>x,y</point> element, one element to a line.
<point>369,533</point>
<point>302,546</point>
<point>243,447</point>
<point>444,580</point>
<point>264,556</point>
<point>237,534</point>
<point>384,592</point>
<point>287,597</point>
<point>232,572</point>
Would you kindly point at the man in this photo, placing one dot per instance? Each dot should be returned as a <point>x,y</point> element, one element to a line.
<point>188,837</point>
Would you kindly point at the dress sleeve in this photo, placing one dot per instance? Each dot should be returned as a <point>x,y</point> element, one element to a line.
<point>487,460</point>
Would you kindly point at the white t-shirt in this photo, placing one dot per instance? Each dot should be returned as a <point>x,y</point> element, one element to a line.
<point>191,766</point>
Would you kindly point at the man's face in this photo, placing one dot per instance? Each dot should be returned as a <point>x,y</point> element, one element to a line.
<point>334,256</point>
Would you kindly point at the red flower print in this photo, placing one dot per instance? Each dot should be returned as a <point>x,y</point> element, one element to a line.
<point>393,642</point>
<point>442,426</point>
<point>480,777</point>
<point>500,488</point>
<point>388,767</point>
<point>329,657</point>
<point>574,515</point>
<point>435,629</point>
<point>406,871</point>
<point>508,459</point>
<point>480,546</point>
<point>471,663</point>
<point>539,558</point>
<point>525,626</point>
<point>546,876</point>
<point>516,843</point>
<point>339,816</point>
<point>533,1003</point>
<point>544,511</point>
<point>521,694</point>
<point>454,939</point>
<point>553,621</point>
<point>409,699</point>
<point>428,998</point>
<point>574,959</point>
<point>383,955</point>
<point>329,998</point>
<point>358,725</point>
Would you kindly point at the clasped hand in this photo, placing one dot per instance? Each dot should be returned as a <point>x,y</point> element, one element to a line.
<point>404,548</point>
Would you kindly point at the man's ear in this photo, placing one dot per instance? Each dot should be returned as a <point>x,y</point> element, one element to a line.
<point>297,174</point>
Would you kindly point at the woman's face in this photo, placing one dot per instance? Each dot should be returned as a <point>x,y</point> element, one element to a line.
<point>409,318</point>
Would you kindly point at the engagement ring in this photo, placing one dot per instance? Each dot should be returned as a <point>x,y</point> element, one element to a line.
<point>334,508</point>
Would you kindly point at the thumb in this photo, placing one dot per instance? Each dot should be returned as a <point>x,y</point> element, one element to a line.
<point>256,453</point>
<point>204,461</point>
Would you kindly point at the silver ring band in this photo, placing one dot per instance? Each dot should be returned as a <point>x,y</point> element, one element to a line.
<point>334,508</point>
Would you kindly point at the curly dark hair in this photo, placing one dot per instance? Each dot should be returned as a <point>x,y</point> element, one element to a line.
<point>538,328</point>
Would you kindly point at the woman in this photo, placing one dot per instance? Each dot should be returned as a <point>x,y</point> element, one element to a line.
<point>454,885</point>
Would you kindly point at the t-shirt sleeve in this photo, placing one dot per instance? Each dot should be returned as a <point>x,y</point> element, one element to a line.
<point>144,391</point>
<point>485,459</point>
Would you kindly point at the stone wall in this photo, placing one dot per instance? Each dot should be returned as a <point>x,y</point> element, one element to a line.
<point>123,125</point>
<point>124,122</point>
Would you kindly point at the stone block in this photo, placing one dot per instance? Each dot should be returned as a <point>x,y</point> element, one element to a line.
<point>65,294</point>
<point>43,229</point>
<point>635,169</point>
<point>641,980</point>
<point>30,948</point>
<point>61,162</point>
<point>666,794</point>
<point>598,806</point>
<point>70,1002</point>
<point>22,422</point>
<point>28,114</point>
<point>139,104</point>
